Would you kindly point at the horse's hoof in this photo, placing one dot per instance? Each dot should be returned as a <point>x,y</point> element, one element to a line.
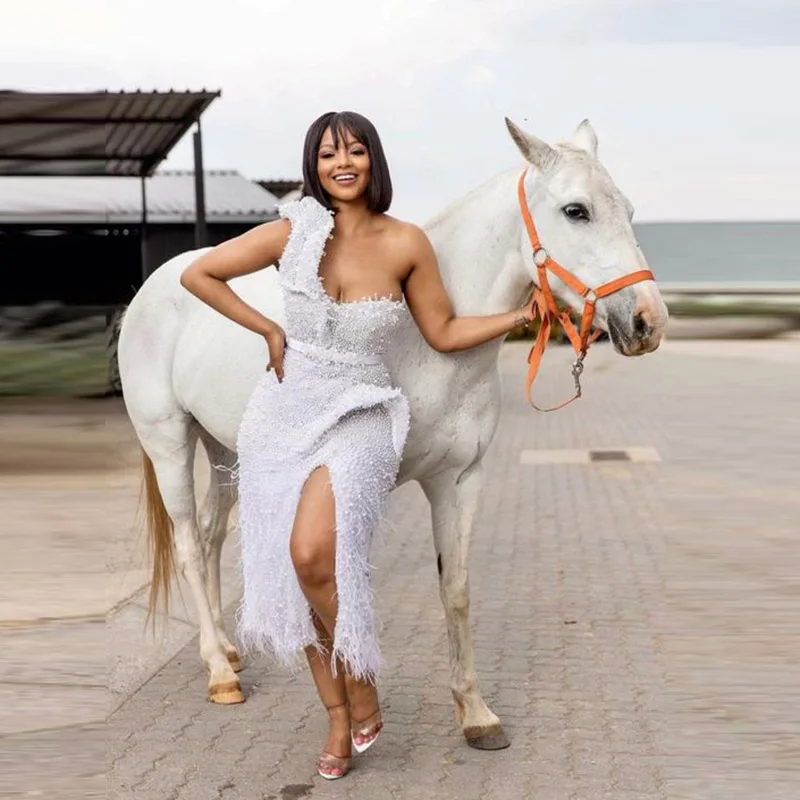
<point>490,737</point>
<point>226,694</point>
<point>235,661</point>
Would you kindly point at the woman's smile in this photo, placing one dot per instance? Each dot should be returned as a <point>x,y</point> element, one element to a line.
<point>343,166</point>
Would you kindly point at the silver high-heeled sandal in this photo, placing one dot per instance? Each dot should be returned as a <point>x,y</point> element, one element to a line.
<point>368,730</point>
<point>328,762</point>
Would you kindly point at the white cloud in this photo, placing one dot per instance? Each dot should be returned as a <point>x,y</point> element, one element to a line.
<point>297,47</point>
<point>746,23</point>
<point>481,76</point>
<point>687,130</point>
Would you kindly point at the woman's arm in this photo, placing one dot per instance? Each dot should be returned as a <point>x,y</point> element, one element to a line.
<point>207,278</point>
<point>433,311</point>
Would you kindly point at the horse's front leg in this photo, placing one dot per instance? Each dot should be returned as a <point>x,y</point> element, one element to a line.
<point>454,498</point>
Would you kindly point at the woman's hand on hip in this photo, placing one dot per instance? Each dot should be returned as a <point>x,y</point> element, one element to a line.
<point>276,342</point>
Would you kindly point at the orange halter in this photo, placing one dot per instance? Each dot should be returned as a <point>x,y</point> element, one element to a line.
<point>544,305</point>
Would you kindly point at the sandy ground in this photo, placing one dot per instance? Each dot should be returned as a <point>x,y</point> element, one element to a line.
<point>75,574</point>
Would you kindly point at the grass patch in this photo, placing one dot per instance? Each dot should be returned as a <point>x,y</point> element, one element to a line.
<point>77,368</point>
<point>734,308</point>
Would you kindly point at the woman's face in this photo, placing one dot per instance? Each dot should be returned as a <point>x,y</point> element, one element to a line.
<point>344,171</point>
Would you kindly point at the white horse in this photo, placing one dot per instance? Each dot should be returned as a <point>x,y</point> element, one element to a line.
<point>187,373</point>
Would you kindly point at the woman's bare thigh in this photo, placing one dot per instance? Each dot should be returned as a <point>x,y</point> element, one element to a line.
<point>314,529</point>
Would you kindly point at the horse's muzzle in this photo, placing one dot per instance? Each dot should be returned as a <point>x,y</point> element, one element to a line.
<point>638,338</point>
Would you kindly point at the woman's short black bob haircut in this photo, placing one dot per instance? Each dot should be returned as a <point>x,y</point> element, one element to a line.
<point>379,191</point>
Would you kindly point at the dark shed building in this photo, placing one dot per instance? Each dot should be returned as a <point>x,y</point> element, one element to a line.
<point>59,241</point>
<point>76,240</point>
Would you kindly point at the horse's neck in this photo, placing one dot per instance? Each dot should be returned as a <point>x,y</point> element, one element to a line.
<point>477,244</point>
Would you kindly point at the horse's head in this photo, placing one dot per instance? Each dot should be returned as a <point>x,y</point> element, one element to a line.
<point>584,223</point>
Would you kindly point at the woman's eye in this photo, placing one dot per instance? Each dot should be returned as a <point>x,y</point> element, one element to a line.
<point>577,212</point>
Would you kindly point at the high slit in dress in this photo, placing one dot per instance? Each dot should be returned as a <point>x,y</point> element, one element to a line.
<point>336,407</point>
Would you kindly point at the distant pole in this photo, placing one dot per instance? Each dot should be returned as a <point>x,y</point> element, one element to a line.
<point>200,231</point>
<point>143,232</point>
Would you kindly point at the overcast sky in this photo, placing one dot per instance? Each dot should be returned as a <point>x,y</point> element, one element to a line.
<point>695,102</point>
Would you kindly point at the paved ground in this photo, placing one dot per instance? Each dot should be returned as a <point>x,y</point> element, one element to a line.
<point>635,624</point>
<point>73,591</point>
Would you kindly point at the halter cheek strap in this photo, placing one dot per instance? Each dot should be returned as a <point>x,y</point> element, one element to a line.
<point>544,306</point>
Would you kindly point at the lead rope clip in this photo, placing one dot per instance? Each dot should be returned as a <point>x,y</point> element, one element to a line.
<point>577,369</point>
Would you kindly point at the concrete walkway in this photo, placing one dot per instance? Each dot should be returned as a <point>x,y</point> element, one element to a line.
<point>74,592</point>
<point>635,623</point>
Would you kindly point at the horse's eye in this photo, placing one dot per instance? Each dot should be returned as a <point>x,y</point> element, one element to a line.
<point>576,212</point>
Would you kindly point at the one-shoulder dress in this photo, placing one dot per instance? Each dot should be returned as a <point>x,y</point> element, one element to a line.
<point>336,407</point>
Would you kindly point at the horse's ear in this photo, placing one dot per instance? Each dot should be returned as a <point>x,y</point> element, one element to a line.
<point>539,153</point>
<point>585,138</point>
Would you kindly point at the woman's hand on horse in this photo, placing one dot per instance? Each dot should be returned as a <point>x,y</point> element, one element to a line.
<point>276,342</point>
<point>527,314</point>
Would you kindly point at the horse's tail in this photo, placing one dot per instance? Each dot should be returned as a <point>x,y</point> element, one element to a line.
<point>160,539</point>
<point>113,328</point>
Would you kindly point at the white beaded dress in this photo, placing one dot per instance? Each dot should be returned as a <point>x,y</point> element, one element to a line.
<point>335,407</point>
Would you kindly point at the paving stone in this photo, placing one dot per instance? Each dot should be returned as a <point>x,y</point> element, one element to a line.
<point>634,624</point>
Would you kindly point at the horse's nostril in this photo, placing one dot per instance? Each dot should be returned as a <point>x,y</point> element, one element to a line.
<point>640,326</point>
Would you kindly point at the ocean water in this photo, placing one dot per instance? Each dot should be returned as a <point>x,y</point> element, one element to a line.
<point>725,252</point>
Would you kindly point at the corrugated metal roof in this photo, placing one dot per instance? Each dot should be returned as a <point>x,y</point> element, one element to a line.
<point>280,187</point>
<point>93,133</point>
<point>230,197</point>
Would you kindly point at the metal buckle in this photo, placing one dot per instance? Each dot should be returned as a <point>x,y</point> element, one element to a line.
<point>540,256</point>
<point>577,369</point>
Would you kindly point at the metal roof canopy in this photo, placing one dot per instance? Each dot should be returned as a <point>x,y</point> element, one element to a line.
<point>94,133</point>
<point>102,133</point>
<point>45,201</point>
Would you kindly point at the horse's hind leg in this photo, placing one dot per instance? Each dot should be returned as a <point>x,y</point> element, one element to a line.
<point>171,445</point>
<point>213,523</point>
<point>454,500</point>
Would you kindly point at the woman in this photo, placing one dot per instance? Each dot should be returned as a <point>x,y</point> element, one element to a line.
<point>322,437</point>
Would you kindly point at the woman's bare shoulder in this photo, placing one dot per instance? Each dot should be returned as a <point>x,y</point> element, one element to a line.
<point>407,235</point>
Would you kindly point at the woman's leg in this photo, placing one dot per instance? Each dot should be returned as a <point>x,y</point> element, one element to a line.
<point>334,697</point>
<point>313,551</point>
